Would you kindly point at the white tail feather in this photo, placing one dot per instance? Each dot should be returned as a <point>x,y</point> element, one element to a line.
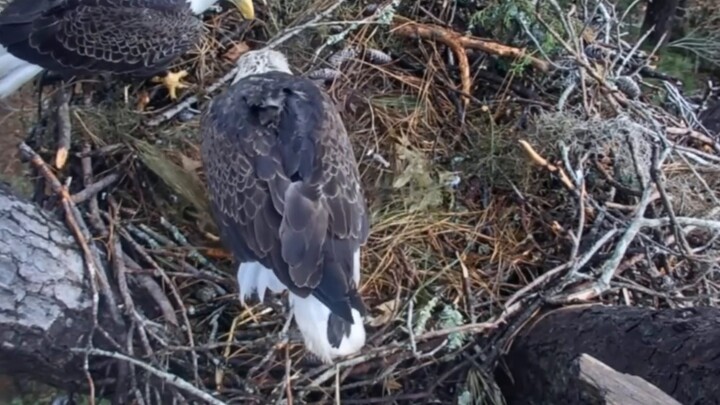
<point>311,315</point>
<point>253,278</point>
<point>14,73</point>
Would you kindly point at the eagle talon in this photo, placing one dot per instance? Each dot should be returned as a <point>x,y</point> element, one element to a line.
<point>172,82</point>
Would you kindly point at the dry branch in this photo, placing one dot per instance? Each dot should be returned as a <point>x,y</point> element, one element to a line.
<point>450,38</point>
<point>607,386</point>
<point>541,161</point>
<point>63,128</point>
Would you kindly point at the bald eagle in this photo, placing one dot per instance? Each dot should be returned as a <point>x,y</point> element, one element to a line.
<point>286,196</point>
<point>137,38</point>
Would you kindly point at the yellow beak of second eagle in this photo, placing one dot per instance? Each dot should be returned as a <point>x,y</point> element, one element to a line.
<point>246,8</point>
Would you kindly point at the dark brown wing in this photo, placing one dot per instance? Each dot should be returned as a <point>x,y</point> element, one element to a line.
<point>284,185</point>
<point>139,37</point>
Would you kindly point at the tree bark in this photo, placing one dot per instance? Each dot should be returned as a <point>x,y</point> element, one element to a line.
<point>676,350</point>
<point>661,15</point>
<point>45,300</point>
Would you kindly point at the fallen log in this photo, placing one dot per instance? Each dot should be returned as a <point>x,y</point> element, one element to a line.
<point>676,350</point>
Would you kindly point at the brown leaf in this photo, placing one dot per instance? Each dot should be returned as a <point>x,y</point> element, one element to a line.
<point>143,100</point>
<point>387,310</point>
<point>236,51</point>
<point>190,165</point>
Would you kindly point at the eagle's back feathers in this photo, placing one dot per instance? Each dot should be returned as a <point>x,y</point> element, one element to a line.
<point>286,192</point>
<point>129,37</point>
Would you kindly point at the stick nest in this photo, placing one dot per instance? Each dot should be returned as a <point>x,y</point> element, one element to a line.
<point>553,164</point>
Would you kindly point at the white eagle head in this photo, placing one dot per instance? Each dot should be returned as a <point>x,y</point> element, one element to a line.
<point>261,61</point>
<point>245,7</point>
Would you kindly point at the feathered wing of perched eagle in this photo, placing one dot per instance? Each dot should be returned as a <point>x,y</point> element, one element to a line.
<point>138,38</point>
<point>286,195</point>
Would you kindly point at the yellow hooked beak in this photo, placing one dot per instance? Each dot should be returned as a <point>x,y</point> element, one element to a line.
<point>246,8</point>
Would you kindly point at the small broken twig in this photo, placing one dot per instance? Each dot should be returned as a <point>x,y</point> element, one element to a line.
<point>63,127</point>
<point>94,188</point>
<point>165,376</point>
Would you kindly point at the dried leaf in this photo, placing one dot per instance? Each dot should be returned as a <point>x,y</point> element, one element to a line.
<point>236,51</point>
<point>191,165</point>
<point>420,188</point>
<point>391,384</point>
<point>143,100</point>
<point>387,309</point>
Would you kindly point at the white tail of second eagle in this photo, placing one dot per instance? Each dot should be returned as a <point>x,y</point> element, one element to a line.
<point>14,73</point>
<point>311,315</point>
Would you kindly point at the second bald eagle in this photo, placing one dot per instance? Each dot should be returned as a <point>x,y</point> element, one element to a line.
<point>137,38</point>
<point>286,195</point>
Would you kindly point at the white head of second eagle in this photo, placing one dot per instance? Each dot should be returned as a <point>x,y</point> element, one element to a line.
<point>286,195</point>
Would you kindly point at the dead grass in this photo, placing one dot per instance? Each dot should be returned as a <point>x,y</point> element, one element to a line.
<point>464,222</point>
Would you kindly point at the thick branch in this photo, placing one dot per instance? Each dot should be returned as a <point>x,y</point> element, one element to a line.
<point>675,350</point>
<point>45,305</point>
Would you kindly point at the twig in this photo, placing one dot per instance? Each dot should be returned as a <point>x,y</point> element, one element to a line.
<point>94,188</point>
<point>103,150</point>
<point>156,236</point>
<point>173,290</point>
<point>409,326</point>
<point>93,208</point>
<point>607,271</point>
<point>271,352</point>
<point>685,221</point>
<point>579,264</point>
<point>152,287</point>
<point>165,376</point>
<point>330,371</point>
<point>63,127</point>
<point>154,244</point>
<point>120,270</point>
<point>659,179</point>
<point>547,165</point>
<point>182,240</point>
<point>467,286</point>
<point>382,15</point>
<point>409,28</point>
<point>291,32</point>
<point>411,333</point>
<point>288,372</point>
<point>542,279</point>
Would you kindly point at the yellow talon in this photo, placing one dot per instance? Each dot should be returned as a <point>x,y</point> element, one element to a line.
<point>172,81</point>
